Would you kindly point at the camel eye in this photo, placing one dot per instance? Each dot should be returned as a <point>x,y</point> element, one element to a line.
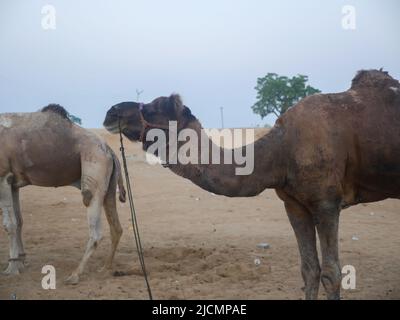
<point>116,110</point>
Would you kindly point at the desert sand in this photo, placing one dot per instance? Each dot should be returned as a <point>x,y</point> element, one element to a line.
<point>197,245</point>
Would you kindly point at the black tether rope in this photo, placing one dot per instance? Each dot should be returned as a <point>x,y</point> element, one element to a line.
<point>133,214</point>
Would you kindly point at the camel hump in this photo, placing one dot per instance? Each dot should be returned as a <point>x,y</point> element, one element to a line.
<point>57,109</point>
<point>378,79</point>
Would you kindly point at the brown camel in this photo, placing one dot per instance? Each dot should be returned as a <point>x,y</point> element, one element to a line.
<point>328,152</point>
<point>46,149</point>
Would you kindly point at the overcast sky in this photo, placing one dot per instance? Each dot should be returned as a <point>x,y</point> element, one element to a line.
<point>210,52</point>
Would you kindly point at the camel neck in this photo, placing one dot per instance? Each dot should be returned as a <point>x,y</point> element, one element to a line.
<point>259,168</point>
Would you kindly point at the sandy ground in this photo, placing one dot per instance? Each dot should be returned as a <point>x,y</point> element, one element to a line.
<point>197,245</point>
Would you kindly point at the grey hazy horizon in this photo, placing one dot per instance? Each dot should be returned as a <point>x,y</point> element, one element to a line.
<point>210,52</point>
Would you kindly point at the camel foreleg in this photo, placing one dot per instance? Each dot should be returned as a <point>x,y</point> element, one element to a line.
<point>327,227</point>
<point>12,223</point>
<point>304,229</point>
<point>18,216</point>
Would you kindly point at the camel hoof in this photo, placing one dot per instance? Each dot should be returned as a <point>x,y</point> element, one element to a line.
<point>14,268</point>
<point>73,279</point>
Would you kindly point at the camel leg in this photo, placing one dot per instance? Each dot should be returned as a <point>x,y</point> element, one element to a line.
<point>303,226</point>
<point>18,215</point>
<point>11,224</point>
<point>327,227</point>
<point>110,208</point>
<point>96,173</point>
<point>94,221</point>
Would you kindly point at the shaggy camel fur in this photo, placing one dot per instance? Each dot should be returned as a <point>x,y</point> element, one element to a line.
<point>328,152</point>
<point>46,149</point>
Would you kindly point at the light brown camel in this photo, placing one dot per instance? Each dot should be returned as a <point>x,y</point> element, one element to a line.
<point>46,149</point>
<point>328,152</point>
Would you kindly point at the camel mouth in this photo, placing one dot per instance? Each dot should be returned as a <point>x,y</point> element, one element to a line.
<point>132,135</point>
<point>111,122</point>
<point>112,129</point>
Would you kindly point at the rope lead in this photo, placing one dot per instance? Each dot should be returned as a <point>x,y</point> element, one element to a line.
<point>133,214</point>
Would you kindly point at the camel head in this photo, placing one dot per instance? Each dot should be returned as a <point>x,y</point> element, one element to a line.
<point>124,115</point>
<point>136,119</point>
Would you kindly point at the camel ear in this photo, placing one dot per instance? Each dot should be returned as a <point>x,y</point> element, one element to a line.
<point>186,112</point>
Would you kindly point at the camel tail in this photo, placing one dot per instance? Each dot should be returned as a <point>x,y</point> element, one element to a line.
<point>117,174</point>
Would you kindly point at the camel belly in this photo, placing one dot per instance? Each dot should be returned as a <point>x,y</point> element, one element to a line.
<point>41,165</point>
<point>53,176</point>
<point>370,188</point>
<point>379,174</point>
<point>378,186</point>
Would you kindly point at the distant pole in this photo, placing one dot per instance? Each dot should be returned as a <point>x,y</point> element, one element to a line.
<point>222,117</point>
<point>138,93</point>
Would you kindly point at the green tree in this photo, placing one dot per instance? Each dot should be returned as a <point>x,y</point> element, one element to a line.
<point>276,94</point>
<point>75,119</point>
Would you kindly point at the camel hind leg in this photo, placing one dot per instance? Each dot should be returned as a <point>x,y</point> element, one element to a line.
<point>95,180</point>
<point>95,235</point>
<point>110,208</point>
